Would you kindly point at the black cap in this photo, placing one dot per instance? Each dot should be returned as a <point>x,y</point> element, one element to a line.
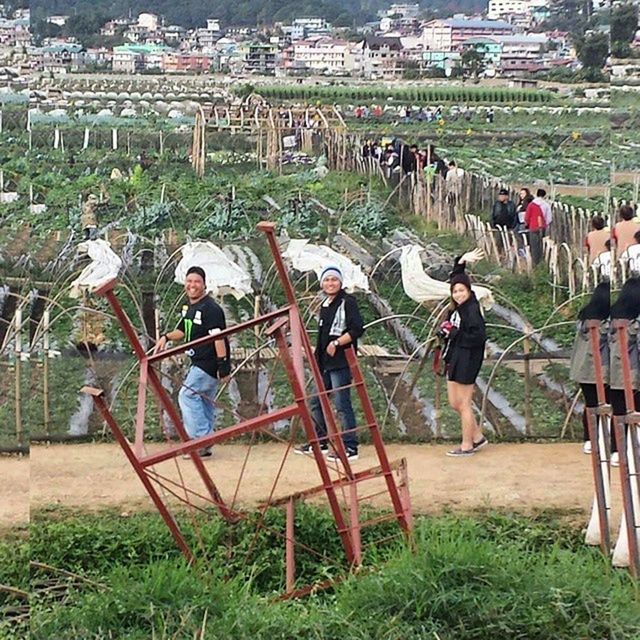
<point>503,192</point>
<point>460,278</point>
<point>199,271</point>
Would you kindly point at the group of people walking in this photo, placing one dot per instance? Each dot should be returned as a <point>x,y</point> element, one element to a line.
<point>623,239</point>
<point>340,325</point>
<point>531,215</point>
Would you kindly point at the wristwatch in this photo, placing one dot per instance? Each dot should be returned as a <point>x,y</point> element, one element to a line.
<point>336,343</point>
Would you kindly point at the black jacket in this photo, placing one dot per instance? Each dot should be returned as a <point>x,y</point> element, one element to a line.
<point>339,317</point>
<point>504,214</point>
<point>464,349</point>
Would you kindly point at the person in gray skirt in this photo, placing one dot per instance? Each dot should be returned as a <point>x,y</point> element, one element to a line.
<point>582,368</point>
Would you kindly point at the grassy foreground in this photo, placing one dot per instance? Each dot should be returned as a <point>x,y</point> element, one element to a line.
<point>485,576</point>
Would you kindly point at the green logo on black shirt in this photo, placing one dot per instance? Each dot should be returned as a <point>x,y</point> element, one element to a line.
<point>188,327</point>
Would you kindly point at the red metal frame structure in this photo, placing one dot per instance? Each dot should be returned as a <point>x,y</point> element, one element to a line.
<point>598,433</point>
<point>286,328</point>
<point>626,427</point>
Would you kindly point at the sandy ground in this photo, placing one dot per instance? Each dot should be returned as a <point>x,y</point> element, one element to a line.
<point>521,477</point>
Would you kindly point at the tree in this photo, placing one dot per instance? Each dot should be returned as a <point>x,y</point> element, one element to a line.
<point>473,62</point>
<point>624,24</point>
<point>569,15</point>
<point>593,50</point>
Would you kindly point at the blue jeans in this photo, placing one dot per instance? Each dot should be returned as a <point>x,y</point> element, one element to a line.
<point>196,399</point>
<point>342,403</point>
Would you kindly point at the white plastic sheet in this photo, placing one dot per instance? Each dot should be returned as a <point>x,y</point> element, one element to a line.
<point>223,275</point>
<point>421,287</point>
<point>104,266</point>
<point>311,257</point>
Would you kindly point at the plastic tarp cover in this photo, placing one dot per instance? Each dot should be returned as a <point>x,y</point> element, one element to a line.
<point>223,276</point>
<point>311,257</point>
<point>421,287</point>
<point>105,266</point>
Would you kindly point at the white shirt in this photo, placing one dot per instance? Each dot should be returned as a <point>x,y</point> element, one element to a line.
<point>546,209</point>
<point>632,257</point>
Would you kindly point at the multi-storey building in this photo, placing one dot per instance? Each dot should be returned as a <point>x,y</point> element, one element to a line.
<point>448,35</point>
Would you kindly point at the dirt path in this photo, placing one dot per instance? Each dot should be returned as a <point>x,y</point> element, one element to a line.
<point>522,477</point>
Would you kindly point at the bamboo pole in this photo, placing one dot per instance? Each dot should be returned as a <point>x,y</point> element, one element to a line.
<point>18,373</point>
<point>45,364</point>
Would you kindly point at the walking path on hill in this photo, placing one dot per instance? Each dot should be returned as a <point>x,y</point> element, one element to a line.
<point>520,477</point>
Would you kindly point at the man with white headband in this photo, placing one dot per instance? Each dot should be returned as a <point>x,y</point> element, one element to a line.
<point>340,325</point>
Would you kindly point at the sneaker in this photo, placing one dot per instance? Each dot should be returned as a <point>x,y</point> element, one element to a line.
<point>615,459</point>
<point>205,453</point>
<point>307,449</point>
<point>481,443</point>
<point>460,453</point>
<point>586,447</point>
<point>352,455</point>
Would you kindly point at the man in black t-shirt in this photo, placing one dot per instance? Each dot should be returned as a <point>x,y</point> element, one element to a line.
<point>340,325</point>
<point>210,363</point>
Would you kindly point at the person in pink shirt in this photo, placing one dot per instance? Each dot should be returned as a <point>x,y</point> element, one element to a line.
<point>625,229</point>
<point>597,237</point>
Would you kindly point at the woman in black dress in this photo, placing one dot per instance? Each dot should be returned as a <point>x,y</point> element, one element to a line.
<point>465,336</point>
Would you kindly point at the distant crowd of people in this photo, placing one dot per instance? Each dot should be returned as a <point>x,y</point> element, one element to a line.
<point>408,113</point>
<point>397,157</point>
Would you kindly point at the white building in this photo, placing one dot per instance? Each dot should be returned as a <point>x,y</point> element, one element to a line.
<point>499,8</point>
<point>148,21</point>
<point>59,21</point>
<point>410,11</point>
<point>448,35</point>
<point>324,55</point>
<point>302,28</point>
<point>213,24</point>
<point>526,45</point>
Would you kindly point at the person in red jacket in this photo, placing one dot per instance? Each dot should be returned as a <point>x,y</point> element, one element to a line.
<point>536,224</point>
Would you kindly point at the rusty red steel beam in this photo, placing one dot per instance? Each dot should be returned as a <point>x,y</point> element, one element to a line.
<point>376,438</point>
<point>107,291</point>
<point>621,327</point>
<point>138,446</point>
<point>268,228</point>
<point>290,550</point>
<point>354,517</point>
<point>98,399</point>
<point>596,427</point>
<point>225,333</point>
<point>367,474</point>
<point>251,424</point>
<point>298,391</point>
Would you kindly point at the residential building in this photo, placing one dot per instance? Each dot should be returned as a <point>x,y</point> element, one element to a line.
<point>490,49</point>
<point>148,21</point>
<point>186,63</point>
<point>174,34</point>
<point>381,57</point>
<point>448,35</point>
<point>59,21</point>
<point>445,60</point>
<point>131,58</point>
<point>62,58</point>
<point>501,8</point>
<point>404,10</point>
<point>302,28</point>
<point>321,55</point>
<point>261,58</point>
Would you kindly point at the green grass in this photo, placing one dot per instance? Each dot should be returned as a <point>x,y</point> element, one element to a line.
<point>477,577</point>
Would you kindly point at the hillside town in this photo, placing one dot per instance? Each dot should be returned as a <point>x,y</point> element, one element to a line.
<point>511,38</point>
